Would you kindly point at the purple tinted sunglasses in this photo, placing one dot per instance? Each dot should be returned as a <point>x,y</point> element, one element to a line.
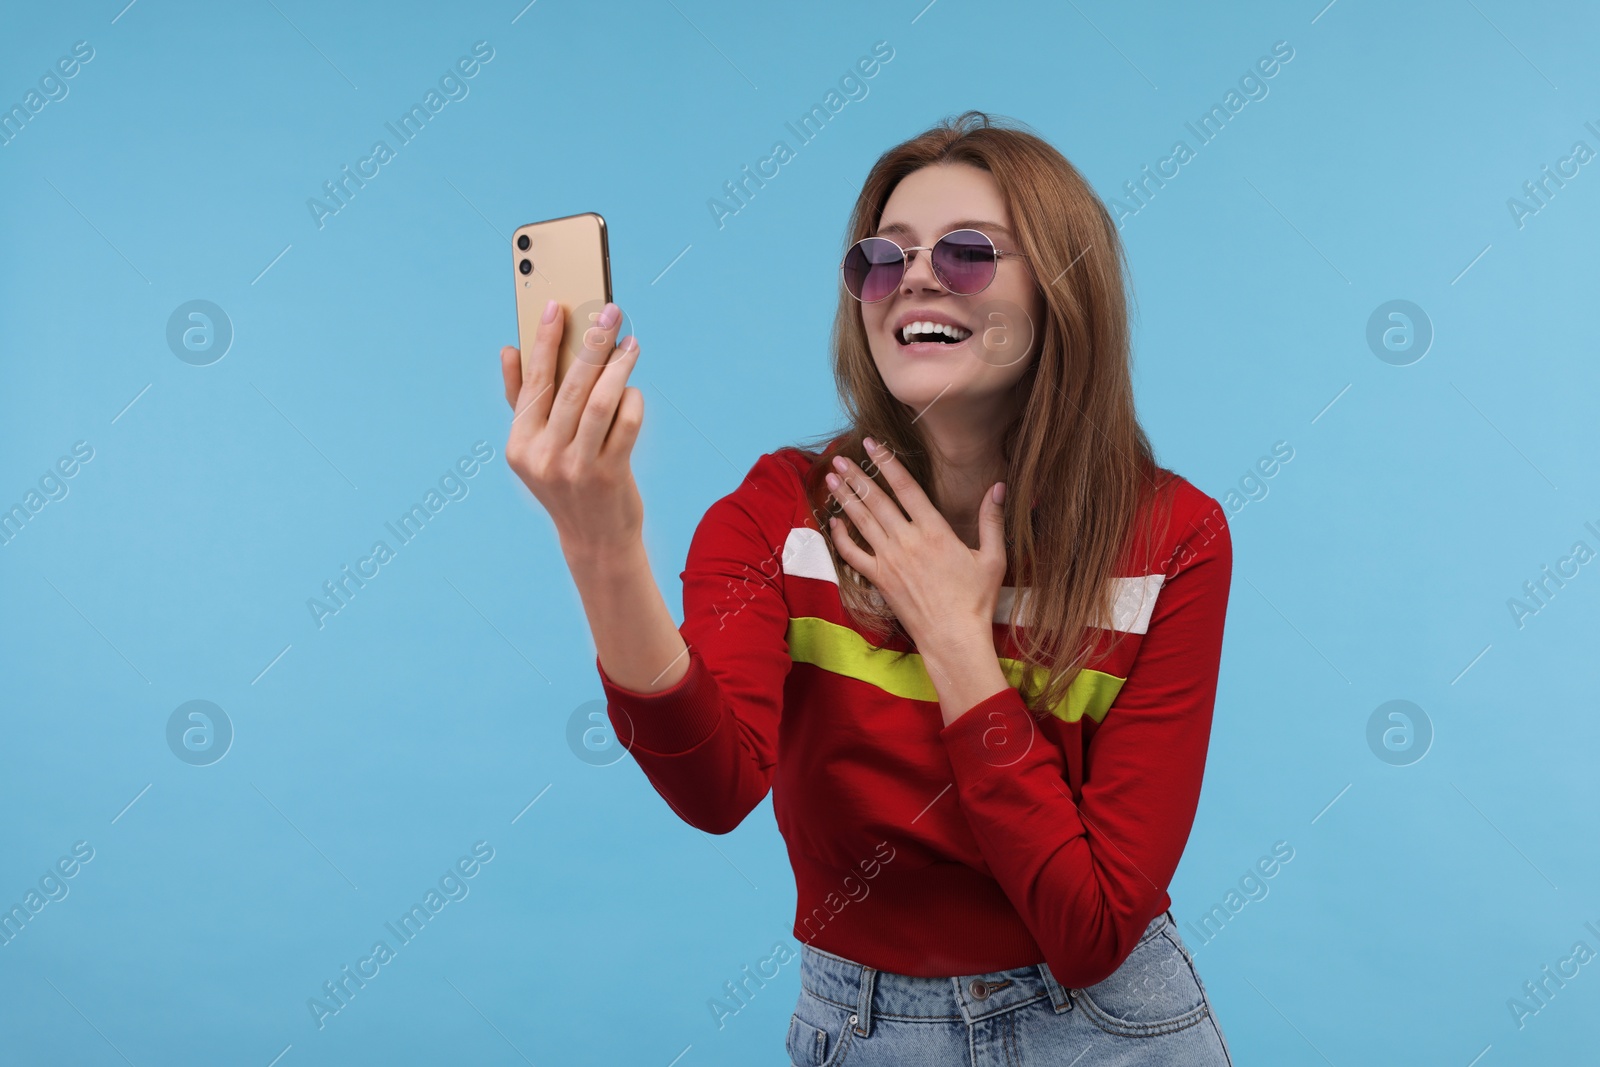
<point>963,261</point>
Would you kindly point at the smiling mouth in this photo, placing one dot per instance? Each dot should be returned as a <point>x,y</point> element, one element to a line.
<point>930,333</point>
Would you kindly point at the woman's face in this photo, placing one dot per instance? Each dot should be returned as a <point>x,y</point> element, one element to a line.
<point>999,327</point>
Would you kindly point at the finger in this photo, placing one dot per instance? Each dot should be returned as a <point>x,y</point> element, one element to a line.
<point>511,371</point>
<point>879,503</point>
<point>532,402</point>
<point>849,551</point>
<point>906,490</point>
<point>595,420</point>
<point>853,506</point>
<point>992,528</point>
<point>599,345</point>
<point>625,430</point>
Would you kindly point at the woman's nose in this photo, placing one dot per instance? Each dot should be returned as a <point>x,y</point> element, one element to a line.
<point>919,272</point>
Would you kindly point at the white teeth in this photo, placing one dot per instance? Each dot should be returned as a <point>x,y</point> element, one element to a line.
<point>955,333</point>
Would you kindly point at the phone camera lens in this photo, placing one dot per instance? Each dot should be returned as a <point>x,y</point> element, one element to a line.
<point>526,266</point>
<point>523,243</point>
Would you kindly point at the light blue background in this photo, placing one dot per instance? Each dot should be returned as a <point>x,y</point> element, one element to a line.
<point>429,713</point>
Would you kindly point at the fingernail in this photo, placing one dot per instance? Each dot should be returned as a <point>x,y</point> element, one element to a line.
<point>629,343</point>
<point>1000,492</point>
<point>609,316</point>
<point>549,313</point>
<point>872,446</point>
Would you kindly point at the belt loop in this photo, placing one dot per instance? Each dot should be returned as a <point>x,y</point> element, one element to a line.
<point>1060,998</point>
<point>869,978</point>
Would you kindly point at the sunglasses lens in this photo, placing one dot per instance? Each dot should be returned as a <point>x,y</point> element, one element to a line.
<point>872,268</point>
<point>964,261</point>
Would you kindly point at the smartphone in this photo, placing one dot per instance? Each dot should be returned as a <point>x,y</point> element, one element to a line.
<point>564,259</point>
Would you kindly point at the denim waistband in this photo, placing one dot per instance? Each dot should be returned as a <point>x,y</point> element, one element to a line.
<point>872,994</point>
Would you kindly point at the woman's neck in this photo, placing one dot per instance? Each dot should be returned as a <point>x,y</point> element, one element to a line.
<point>967,461</point>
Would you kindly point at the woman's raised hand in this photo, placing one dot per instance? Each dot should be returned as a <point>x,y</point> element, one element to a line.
<point>571,445</point>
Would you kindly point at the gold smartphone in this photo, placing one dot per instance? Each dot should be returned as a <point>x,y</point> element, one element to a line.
<point>564,259</point>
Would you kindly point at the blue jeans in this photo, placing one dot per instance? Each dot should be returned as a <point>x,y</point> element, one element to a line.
<point>1153,1010</point>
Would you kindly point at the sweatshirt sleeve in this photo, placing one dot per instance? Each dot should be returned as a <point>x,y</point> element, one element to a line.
<point>709,743</point>
<point>1088,878</point>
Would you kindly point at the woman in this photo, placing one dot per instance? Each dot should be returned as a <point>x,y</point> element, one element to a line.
<point>971,642</point>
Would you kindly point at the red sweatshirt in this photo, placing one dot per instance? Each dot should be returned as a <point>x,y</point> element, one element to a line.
<point>997,841</point>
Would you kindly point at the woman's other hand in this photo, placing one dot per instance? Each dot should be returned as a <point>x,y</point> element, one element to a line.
<point>943,591</point>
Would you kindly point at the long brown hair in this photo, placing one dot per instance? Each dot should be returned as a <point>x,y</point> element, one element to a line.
<point>1080,471</point>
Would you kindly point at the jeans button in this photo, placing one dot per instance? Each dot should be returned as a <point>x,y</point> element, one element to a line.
<point>979,988</point>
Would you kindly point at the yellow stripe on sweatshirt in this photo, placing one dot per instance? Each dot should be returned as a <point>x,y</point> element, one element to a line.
<point>841,650</point>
